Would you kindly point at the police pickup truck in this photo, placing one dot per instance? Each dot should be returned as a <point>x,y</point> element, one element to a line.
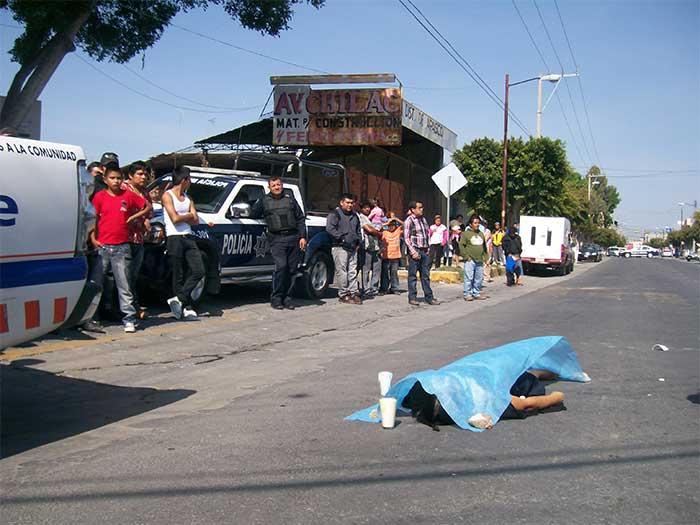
<point>233,243</point>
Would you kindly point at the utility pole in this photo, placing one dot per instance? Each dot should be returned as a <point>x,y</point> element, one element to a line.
<point>505,156</point>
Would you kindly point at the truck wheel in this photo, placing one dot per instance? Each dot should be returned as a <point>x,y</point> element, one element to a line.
<point>628,255</point>
<point>317,276</point>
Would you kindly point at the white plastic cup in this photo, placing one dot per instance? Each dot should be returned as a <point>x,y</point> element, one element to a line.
<point>384,382</point>
<point>387,407</point>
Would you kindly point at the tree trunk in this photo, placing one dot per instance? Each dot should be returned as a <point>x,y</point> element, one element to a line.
<point>514,212</point>
<point>33,76</point>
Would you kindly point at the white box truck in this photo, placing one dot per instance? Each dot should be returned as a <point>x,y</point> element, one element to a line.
<point>546,244</point>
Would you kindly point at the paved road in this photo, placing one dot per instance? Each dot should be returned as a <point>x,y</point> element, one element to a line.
<point>235,432</point>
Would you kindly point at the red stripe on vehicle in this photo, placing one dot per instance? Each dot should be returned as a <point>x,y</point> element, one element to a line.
<point>4,328</point>
<point>60,306</point>
<point>31,314</point>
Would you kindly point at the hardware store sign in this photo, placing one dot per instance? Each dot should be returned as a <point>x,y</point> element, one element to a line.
<point>336,117</point>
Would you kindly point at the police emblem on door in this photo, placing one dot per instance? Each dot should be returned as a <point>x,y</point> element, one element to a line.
<point>262,246</point>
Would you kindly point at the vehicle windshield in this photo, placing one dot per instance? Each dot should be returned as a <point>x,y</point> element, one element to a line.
<point>207,194</point>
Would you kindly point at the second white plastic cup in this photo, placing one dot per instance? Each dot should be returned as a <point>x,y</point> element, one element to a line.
<point>387,406</point>
<point>384,382</point>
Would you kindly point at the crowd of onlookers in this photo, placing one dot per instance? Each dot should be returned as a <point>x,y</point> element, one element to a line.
<point>368,246</point>
<point>123,206</point>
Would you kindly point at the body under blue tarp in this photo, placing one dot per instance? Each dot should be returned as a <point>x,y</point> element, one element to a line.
<point>481,382</point>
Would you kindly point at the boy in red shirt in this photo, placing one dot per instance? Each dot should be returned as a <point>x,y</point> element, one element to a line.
<point>137,182</point>
<point>115,209</point>
<point>391,255</point>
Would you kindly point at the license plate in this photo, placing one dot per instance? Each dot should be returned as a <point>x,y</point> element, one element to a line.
<point>539,260</point>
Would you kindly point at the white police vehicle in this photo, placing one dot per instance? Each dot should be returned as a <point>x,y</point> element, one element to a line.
<point>45,217</point>
<point>234,245</point>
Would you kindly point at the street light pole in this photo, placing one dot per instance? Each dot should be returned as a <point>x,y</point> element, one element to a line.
<point>505,156</point>
<point>555,78</point>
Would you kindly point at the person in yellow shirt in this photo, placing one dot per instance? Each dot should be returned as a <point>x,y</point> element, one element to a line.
<point>497,241</point>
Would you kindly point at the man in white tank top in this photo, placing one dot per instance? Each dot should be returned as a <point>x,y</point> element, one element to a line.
<point>179,214</point>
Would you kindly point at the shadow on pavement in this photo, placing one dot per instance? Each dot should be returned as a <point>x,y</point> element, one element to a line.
<point>38,407</point>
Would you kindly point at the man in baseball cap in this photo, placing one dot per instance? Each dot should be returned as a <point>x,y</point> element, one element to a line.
<point>108,158</point>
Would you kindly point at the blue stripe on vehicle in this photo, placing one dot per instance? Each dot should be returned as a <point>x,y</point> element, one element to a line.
<point>32,273</point>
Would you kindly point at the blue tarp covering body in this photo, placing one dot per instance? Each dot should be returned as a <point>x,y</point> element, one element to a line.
<point>480,382</point>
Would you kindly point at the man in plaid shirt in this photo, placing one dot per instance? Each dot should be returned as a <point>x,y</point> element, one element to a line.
<point>416,235</point>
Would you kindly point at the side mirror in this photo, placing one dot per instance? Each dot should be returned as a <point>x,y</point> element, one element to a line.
<point>240,210</point>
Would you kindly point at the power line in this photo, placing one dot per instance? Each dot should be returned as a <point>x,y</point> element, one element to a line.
<point>546,65</point>
<point>580,82</point>
<point>250,51</point>
<point>641,170</point>
<point>154,99</point>
<point>568,89</point>
<point>464,60</point>
<point>463,64</point>
<point>150,82</point>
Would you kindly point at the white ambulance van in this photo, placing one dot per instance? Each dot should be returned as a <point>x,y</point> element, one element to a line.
<point>546,244</point>
<point>45,217</point>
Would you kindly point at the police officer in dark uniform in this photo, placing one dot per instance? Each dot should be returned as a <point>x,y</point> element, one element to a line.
<point>286,231</point>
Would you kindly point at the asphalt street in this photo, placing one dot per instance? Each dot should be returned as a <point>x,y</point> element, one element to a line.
<point>239,418</point>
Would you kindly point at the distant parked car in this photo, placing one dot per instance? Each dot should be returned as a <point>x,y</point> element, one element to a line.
<point>615,251</point>
<point>590,252</point>
<point>667,252</point>
<point>692,256</point>
<point>641,250</point>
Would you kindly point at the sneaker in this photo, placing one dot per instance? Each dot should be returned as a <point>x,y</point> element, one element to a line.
<point>189,313</point>
<point>92,326</point>
<point>278,306</point>
<point>175,307</point>
<point>129,327</point>
<point>288,306</point>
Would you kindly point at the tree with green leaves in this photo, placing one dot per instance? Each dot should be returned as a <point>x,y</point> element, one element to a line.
<point>114,30</point>
<point>540,179</point>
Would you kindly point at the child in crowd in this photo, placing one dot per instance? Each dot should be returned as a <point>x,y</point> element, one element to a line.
<point>115,209</point>
<point>376,215</point>
<point>438,240</point>
<point>391,256</point>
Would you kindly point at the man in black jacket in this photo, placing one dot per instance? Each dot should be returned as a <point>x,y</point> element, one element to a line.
<point>343,226</point>
<point>286,231</point>
<point>513,247</point>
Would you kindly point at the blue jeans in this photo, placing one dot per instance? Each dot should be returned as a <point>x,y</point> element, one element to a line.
<point>117,257</point>
<point>421,265</point>
<point>473,276</point>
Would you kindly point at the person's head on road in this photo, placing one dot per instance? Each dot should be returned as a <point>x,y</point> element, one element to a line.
<point>347,201</point>
<point>438,220</point>
<point>416,208</point>
<point>474,222</point>
<point>113,178</point>
<point>181,178</point>
<point>366,208</point>
<point>276,187</point>
<point>138,176</point>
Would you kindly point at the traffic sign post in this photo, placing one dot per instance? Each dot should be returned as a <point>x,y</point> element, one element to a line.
<point>449,180</point>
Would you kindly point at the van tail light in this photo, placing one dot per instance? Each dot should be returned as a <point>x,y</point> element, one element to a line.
<point>86,213</point>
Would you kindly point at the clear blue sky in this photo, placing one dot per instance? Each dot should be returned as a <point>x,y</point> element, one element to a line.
<point>639,64</point>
